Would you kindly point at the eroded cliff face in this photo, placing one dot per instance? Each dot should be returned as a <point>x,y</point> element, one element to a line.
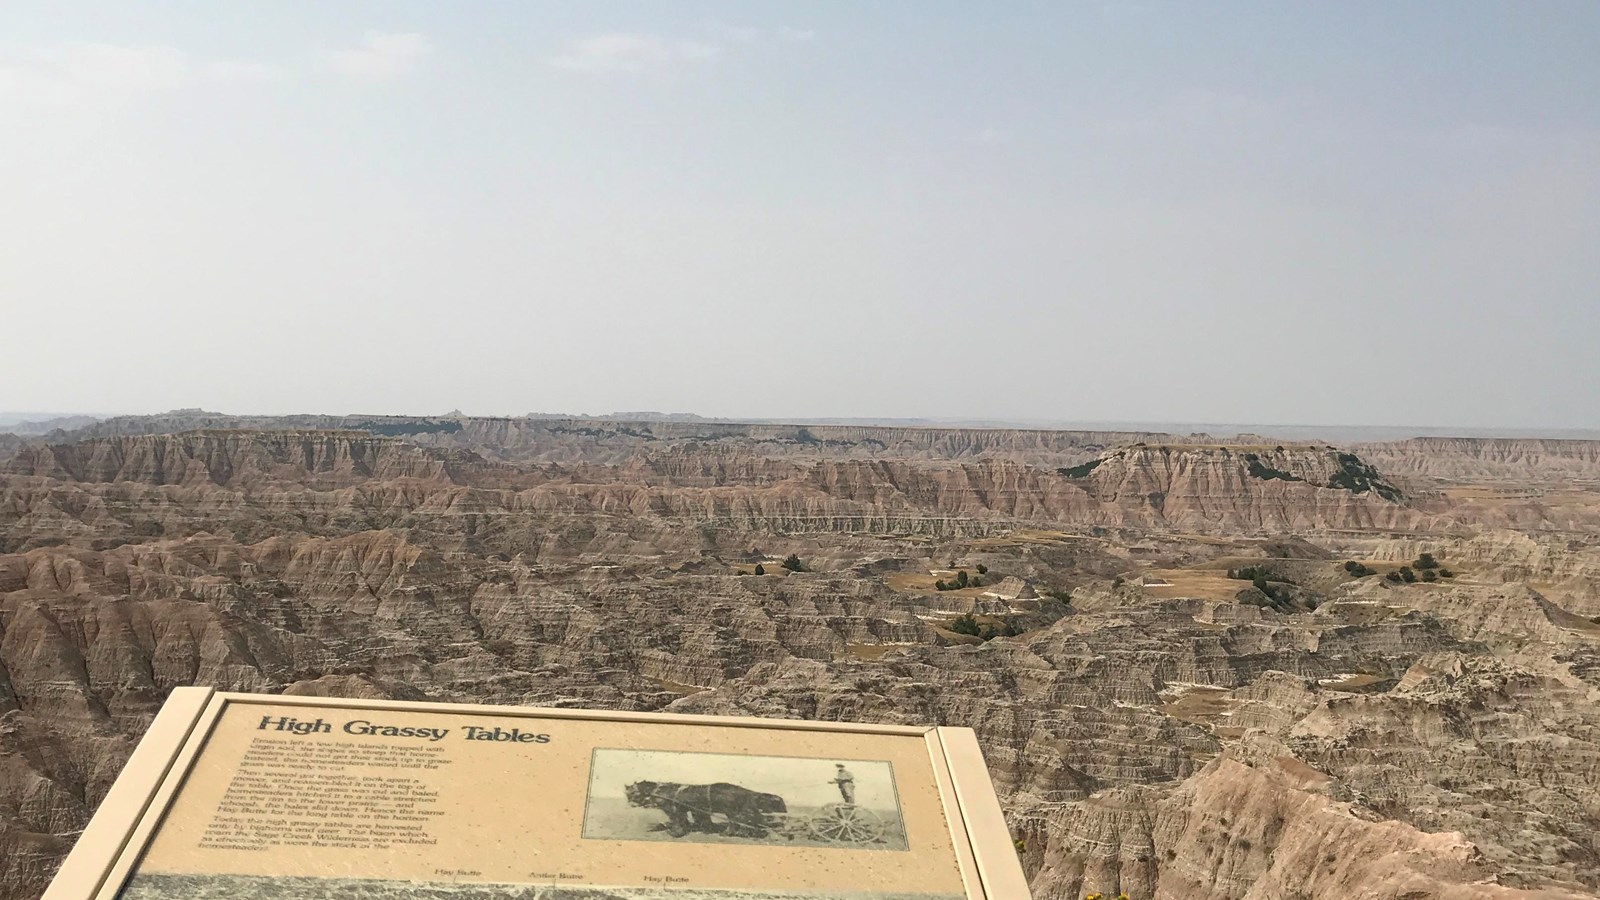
<point>1507,460</point>
<point>386,482</point>
<point>197,458</point>
<point>609,441</point>
<point>1245,489</point>
<point>1372,738</point>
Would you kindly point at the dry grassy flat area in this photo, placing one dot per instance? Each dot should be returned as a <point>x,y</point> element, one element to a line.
<point>1205,584</point>
<point>918,583</point>
<point>1029,536</point>
<point>1207,539</point>
<point>1352,683</point>
<point>1200,705</point>
<point>957,638</point>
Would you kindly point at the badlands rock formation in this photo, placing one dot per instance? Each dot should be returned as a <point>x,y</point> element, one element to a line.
<point>1192,736</point>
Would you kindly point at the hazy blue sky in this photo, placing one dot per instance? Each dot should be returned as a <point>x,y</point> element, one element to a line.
<point>1332,212</point>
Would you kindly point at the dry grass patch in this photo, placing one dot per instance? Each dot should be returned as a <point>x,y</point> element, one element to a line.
<point>1205,584</point>
<point>1029,536</point>
<point>1353,683</point>
<point>910,582</point>
<point>957,638</point>
<point>918,583</point>
<point>1209,540</point>
<point>1199,705</point>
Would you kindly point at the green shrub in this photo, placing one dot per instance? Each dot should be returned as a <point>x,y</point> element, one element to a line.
<point>1258,469</point>
<point>983,569</point>
<point>1408,576</point>
<point>1357,477</point>
<point>966,624</point>
<point>760,569</point>
<point>1426,561</point>
<point>1257,573</point>
<point>1080,471</point>
<point>1446,573</point>
<point>792,563</point>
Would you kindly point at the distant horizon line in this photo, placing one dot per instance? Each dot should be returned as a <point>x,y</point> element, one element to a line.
<point>1214,428</point>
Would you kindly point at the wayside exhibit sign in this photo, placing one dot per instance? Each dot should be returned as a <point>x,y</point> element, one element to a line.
<point>240,796</point>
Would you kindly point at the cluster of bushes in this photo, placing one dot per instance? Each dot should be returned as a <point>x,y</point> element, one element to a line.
<point>1424,568</point>
<point>1257,573</point>
<point>968,624</point>
<point>1358,570</point>
<point>1357,477</point>
<point>1425,562</point>
<point>1278,595</point>
<point>960,581</point>
<point>1272,586</point>
<point>1062,594</point>
<point>1080,471</point>
<point>1407,575</point>
<point>1258,469</point>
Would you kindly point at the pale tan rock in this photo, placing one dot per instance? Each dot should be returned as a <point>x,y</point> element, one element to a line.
<point>1435,738</point>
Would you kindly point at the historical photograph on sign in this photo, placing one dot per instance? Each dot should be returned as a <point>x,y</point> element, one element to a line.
<point>727,798</point>
<point>353,800</point>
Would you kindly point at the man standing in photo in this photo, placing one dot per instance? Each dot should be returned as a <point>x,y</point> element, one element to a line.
<point>846,783</point>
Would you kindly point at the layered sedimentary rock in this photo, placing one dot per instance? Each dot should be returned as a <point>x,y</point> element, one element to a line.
<point>308,458</point>
<point>553,439</point>
<point>1520,460</point>
<point>1148,488</point>
<point>1371,737</point>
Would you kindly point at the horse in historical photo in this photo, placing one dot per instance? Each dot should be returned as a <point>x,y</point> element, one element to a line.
<point>690,807</point>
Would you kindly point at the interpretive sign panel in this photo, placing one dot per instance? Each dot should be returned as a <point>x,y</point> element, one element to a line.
<point>241,796</point>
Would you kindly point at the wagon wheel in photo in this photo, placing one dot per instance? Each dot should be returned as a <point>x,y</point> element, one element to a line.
<point>845,823</point>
